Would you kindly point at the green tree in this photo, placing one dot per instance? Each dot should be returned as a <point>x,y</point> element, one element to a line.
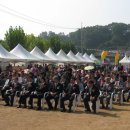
<point>42,44</point>
<point>55,43</point>
<point>14,36</point>
<point>30,42</point>
<point>4,44</point>
<point>66,47</point>
<point>33,41</point>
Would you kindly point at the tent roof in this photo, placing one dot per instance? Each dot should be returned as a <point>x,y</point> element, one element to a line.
<point>73,57</point>
<point>93,57</point>
<point>87,58</point>
<point>63,57</point>
<point>79,56</point>
<point>23,53</point>
<point>125,60</point>
<point>52,55</point>
<point>5,55</point>
<point>39,54</point>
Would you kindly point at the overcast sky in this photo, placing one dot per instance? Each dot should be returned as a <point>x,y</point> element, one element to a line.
<point>35,15</point>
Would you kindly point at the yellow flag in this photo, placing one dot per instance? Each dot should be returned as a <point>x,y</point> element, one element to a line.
<point>104,54</point>
<point>117,55</point>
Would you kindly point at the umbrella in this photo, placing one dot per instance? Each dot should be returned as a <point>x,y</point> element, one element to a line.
<point>89,68</point>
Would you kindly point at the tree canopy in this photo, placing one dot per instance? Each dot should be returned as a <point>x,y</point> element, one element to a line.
<point>14,36</point>
<point>111,36</point>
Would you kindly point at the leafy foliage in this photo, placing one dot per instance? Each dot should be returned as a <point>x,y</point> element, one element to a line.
<point>112,36</point>
<point>14,36</point>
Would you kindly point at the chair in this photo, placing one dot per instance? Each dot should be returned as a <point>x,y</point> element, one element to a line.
<point>97,105</point>
<point>16,97</point>
<point>118,97</point>
<point>76,101</point>
<point>110,102</point>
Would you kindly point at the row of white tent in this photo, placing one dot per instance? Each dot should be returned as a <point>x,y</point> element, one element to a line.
<point>19,53</point>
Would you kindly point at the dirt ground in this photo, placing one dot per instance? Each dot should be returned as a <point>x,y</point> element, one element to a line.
<point>12,118</point>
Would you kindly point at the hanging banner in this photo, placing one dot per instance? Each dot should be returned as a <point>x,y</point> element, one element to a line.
<point>104,54</point>
<point>117,55</point>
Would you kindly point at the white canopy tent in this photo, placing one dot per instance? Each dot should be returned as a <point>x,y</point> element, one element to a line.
<point>39,54</point>
<point>79,56</point>
<point>73,57</point>
<point>6,56</point>
<point>63,57</point>
<point>87,58</point>
<point>125,60</point>
<point>23,54</point>
<point>52,55</point>
<point>93,57</point>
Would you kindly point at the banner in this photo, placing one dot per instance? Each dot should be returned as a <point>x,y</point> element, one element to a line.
<point>117,55</point>
<point>104,54</point>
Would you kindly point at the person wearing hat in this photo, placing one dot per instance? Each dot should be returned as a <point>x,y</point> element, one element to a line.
<point>90,93</point>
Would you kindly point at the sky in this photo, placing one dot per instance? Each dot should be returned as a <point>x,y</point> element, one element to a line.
<point>36,16</point>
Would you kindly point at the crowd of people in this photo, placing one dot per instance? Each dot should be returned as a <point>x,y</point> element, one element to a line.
<point>62,83</point>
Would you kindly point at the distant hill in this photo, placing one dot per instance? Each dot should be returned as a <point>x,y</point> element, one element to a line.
<point>113,36</point>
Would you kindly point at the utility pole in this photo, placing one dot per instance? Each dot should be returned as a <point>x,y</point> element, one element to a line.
<point>81,38</point>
